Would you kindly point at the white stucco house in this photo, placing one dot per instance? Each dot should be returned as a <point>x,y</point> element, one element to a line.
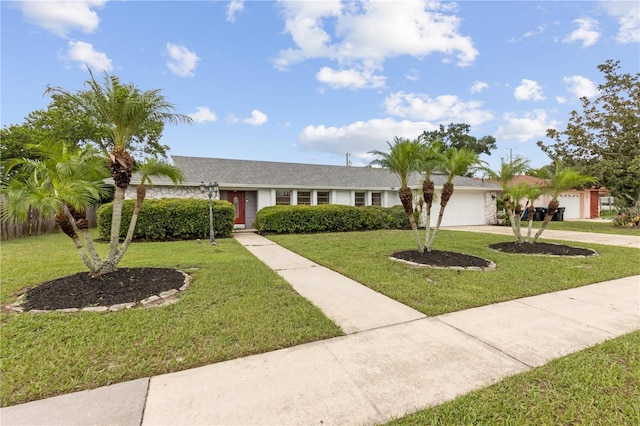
<point>252,185</point>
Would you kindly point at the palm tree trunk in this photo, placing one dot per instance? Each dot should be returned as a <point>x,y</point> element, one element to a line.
<point>406,198</point>
<point>428,190</point>
<point>81,222</point>
<point>67,227</point>
<point>532,211</point>
<point>512,221</point>
<point>553,206</point>
<point>141,193</point>
<point>447,192</point>
<point>109,264</point>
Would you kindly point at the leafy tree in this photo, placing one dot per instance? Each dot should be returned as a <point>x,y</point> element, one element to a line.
<point>456,162</point>
<point>603,139</point>
<point>126,112</point>
<point>456,135</point>
<point>403,159</point>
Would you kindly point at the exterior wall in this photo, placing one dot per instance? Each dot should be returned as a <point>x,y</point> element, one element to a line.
<point>490,208</point>
<point>464,208</point>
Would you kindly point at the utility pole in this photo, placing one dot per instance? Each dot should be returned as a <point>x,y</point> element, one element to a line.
<point>348,161</point>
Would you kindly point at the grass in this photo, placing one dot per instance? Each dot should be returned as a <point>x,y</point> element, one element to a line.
<point>236,306</point>
<point>597,386</point>
<point>364,258</point>
<point>601,227</point>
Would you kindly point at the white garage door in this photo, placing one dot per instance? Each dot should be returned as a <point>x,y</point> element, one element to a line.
<point>464,208</point>
<point>571,203</point>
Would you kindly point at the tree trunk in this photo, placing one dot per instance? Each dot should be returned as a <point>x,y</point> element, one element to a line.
<point>428,191</point>
<point>447,192</point>
<point>512,221</point>
<point>553,206</point>
<point>67,227</point>
<point>141,193</point>
<point>406,197</point>
<point>532,212</point>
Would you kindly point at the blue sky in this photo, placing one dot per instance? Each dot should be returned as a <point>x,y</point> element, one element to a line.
<point>309,81</point>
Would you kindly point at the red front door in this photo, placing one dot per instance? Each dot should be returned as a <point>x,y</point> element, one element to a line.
<point>237,199</point>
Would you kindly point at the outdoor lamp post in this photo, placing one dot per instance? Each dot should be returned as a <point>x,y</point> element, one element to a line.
<point>212,190</point>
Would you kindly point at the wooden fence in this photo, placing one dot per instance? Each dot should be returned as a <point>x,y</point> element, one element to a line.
<point>37,225</point>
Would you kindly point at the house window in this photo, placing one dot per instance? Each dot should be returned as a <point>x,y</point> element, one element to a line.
<point>322,197</point>
<point>304,197</point>
<point>376,198</point>
<point>283,198</point>
<point>360,199</point>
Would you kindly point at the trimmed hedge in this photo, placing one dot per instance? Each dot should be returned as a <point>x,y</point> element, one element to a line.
<point>328,218</point>
<point>170,219</point>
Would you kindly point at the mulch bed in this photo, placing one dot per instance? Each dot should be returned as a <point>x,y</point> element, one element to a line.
<point>542,249</point>
<point>122,286</point>
<point>442,259</point>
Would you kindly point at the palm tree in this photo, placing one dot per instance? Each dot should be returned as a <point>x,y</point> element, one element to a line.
<point>431,160</point>
<point>509,170</point>
<point>125,111</point>
<point>62,184</point>
<point>562,179</point>
<point>146,170</point>
<point>456,162</point>
<point>403,159</point>
<point>512,195</point>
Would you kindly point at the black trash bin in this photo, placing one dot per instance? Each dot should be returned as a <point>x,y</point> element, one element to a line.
<point>558,216</point>
<point>540,213</point>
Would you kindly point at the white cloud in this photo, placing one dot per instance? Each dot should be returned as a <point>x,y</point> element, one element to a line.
<point>344,32</point>
<point>521,129</point>
<point>528,90</point>
<point>60,17</point>
<point>581,86</point>
<point>479,86</point>
<point>412,75</point>
<point>445,108</point>
<point>234,7</point>
<point>258,118</point>
<point>203,115</point>
<point>350,78</point>
<point>183,61</point>
<point>587,32</point>
<point>561,99</point>
<point>359,137</point>
<point>628,15</point>
<point>86,55</point>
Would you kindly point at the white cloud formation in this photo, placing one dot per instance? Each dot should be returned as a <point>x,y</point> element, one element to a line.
<point>203,115</point>
<point>521,129</point>
<point>444,108</point>
<point>359,137</point>
<point>344,32</point>
<point>234,7</point>
<point>628,15</point>
<point>528,90</point>
<point>350,78</point>
<point>561,99</point>
<point>86,55</point>
<point>581,86</point>
<point>182,61</point>
<point>587,32</point>
<point>60,17</point>
<point>258,118</point>
<point>479,86</point>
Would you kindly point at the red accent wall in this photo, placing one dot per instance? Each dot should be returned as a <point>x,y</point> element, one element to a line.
<point>594,203</point>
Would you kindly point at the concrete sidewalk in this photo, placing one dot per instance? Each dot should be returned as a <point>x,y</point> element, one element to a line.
<point>393,360</point>
<point>632,241</point>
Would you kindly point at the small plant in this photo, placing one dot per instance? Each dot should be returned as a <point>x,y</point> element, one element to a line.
<point>627,217</point>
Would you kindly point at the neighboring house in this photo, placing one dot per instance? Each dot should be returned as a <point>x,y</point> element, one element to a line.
<point>252,185</point>
<point>578,204</point>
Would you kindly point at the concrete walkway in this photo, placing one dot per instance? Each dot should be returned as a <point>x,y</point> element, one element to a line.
<point>392,361</point>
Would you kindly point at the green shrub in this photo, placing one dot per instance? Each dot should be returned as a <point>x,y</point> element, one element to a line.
<point>328,218</point>
<point>627,217</point>
<point>170,219</point>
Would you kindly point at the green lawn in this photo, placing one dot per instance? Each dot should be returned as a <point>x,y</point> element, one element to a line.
<point>602,227</point>
<point>363,256</point>
<point>597,386</point>
<point>236,306</point>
